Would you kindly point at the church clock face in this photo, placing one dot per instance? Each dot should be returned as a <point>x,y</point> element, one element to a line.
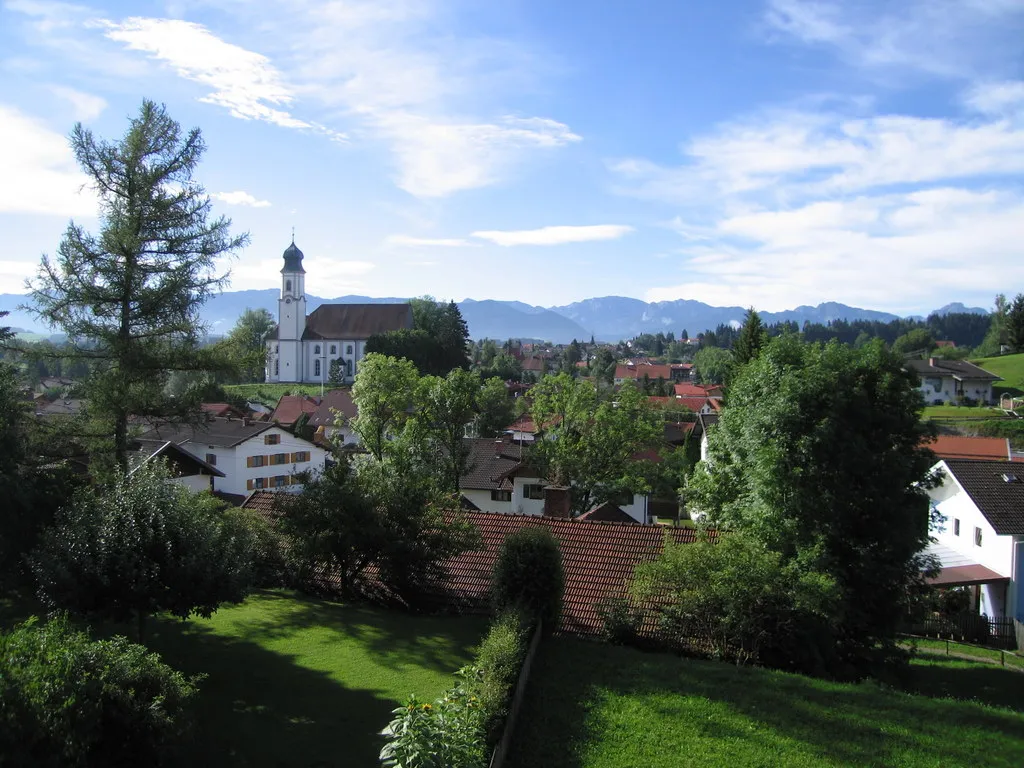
<point>287,301</point>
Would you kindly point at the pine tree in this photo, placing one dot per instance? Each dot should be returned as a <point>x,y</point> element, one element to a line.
<point>751,338</point>
<point>1015,324</point>
<point>128,298</point>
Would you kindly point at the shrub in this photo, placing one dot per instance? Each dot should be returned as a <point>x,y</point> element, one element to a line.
<point>446,734</point>
<point>269,559</point>
<point>66,700</point>
<point>620,621</point>
<point>528,574</point>
<point>736,600</point>
<point>499,660</point>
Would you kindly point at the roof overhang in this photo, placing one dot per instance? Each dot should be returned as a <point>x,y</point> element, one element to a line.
<point>966,575</point>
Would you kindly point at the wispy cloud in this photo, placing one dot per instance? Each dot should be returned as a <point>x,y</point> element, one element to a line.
<point>555,235</point>
<point>84,106</point>
<point>240,198</point>
<point>42,174</point>
<point>948,38</point>
<point>1001,98</point>
<point>408,241</point>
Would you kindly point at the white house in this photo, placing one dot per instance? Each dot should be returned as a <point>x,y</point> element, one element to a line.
<point>250,454</point>
<point>946,381</point>
<point>303,347</point>
<point>497,479</point>
<point>981,538</point>
<point>186,469</point>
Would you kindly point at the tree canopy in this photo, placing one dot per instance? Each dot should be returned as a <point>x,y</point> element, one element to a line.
<point>128,297</point>
<point>819,456</point>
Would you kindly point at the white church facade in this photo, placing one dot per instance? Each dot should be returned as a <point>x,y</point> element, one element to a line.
<point>303,347</point>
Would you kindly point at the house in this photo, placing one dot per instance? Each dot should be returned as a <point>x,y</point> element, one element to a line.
<point>332,418</point>
<point>498,479</point>
<point>250,454</point>
<point>186,468</point>
<point>290,408</point>
<point>961,447</point>
<point>222,410</point>
<point>980,541</point>
<point>598,558</point>
<point>60,407</point>
<point>681,371</point>
<point>946,381</point>
<point>637,370</point>
<point>302,347</point>
<point>711,391</point>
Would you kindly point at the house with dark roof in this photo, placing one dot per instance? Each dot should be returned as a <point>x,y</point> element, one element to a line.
<point>949,381</point>
<point>980,540</point>
<point>332,418</point>
<point>185,468</point>
<point>250,454</point>
<point>303,347</point>
<point>498,478</point>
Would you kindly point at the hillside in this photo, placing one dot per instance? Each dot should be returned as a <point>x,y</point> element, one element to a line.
<point>1010,367</point>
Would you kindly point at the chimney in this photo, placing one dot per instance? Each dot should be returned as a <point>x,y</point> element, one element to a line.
<point>557,502</point>
<point>245,421</point>
<point>931,362</point>
<point>499,444</point>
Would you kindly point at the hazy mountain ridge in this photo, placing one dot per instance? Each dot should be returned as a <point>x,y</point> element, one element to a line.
<point>607,318</point>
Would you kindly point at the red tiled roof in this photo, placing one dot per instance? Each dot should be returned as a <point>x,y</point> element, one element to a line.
<point>220,409</point>
<point>261,502</point>
<point>651,370</point>
<point>692,403</point>
<point>961,447</point>
<point>291,407</point>
<point>598,559</point>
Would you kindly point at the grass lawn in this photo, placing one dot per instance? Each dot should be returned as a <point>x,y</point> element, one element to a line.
<point>955,412</point>
<point>295,681</point>
<point>932,646</point>
<point>1010,367</point>
<point>269,394</point>
<point>598,706</point>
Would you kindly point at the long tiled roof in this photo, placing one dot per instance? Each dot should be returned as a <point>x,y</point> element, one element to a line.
<point>962,447</point>
<point>959,368</point>
<point>356,321</point>
<point>223,433</point>
<point>996,488</point>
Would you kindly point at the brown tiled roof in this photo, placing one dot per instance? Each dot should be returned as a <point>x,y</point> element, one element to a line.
<point>335,400</point>
<point>356,321</point>
<point>961,447</point>
<point>651,370</point>
<point>220,409</point>
<point>996,488</point>
<point>291,407</point>
<point>966,575</point>
<point>607,513</point>
<point>489,464</point>
<point>598,559</point>
<point>535,364</point>
<point>262,502</point>
<point>224,433</point>
<point>961,369</point>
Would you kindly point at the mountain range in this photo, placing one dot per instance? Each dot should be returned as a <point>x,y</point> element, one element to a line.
<point>608,318</point>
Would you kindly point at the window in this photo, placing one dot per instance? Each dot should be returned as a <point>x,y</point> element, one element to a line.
<point>261,482</point>
<point>279,458</point>
<point>501,495</point>
<point>275,348</point>
<point>956,526</point>
<point>211,459</point>
<point>300,456</point>
<point>256,461</point>
<point>277,368</point>
<point>348,367</point>
<point>533,491</point>
<point>280,481</point>
<point>288,286</point>
<point>316,367</point>
<point>316,349</point>
<point>977,537</point>
<point>334,349</point>
<point>271,439</point>
<point>348,350</point>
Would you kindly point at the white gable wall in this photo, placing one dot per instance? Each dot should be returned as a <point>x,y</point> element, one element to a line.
<point>233,462</point>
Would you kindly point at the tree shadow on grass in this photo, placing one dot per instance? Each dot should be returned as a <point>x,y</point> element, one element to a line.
<point>259,708</point>
<point>586,698</point>
<point>396,638</point>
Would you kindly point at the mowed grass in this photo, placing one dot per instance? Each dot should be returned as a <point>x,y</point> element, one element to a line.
<point>957,412</point>
<point>1010,367</point>
<point>994,655</point>
<point>296,681</point>
<point>598,706</point>
<point>269,394</point>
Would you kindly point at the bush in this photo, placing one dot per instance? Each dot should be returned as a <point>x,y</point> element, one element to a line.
<point>735,600</point>
<point>446,734</point>
<point>620,621</point>
<point>528,574</point>
<point>499,659</point>
<point>66,700</point>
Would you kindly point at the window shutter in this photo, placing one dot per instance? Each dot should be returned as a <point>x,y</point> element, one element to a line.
<point>249,484</point>
<point>248,463</point>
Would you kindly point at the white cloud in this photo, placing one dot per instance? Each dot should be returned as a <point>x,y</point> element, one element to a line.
<point>429,242</point>
<point>555,235</point>
<point>1000,98</point>
<point>240,198</point>
<point>947,38</point>
<point>243,82</point>
<point>85,106</point>
<point>40,170</point>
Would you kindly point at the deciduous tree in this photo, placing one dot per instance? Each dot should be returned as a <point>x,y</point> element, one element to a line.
<point>247,343</point>
<point>712,364</point>
<point>128,298</point>
<point>495,409</point>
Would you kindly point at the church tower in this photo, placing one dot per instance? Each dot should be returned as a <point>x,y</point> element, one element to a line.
<point>291,316</point>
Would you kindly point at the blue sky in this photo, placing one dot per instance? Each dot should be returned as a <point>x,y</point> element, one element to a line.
<point>769,153</point>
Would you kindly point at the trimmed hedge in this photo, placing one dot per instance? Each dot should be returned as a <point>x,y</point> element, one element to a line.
<point>528,575</point>
<point>499,660</point>
<point>68,701</point>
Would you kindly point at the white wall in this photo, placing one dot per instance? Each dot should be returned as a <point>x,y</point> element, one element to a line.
<point>195,483</point>
<point>233,462</point>
<point>483,501</point>
<point>976,390</point>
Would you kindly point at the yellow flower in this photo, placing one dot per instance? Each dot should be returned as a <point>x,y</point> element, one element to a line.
<point>427,706</point>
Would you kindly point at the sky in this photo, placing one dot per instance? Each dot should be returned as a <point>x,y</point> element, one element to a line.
<point>768,154</point>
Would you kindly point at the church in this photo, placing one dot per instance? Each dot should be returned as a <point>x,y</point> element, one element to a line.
<point>303,347</point>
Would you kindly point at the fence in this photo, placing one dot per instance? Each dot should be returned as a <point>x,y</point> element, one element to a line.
<point>980,630</point>
<point>500,751</point>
